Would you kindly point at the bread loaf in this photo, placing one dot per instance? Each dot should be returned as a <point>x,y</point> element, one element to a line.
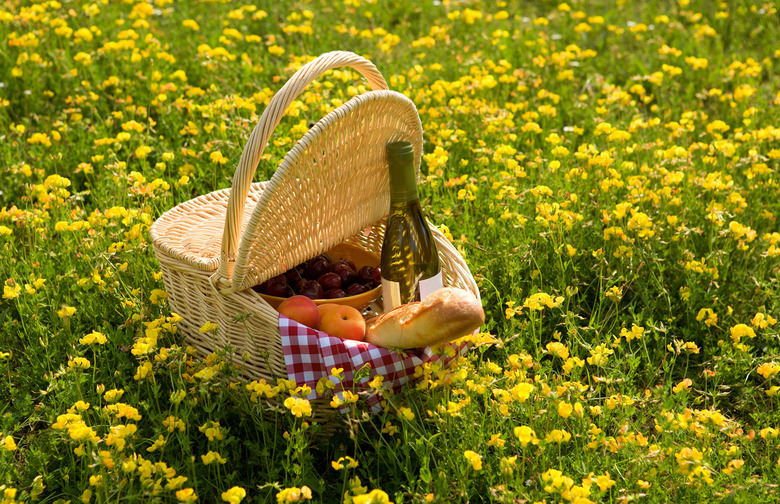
<point>444,315</point>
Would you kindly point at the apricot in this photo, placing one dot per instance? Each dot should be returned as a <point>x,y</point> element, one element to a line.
<point>325,308</point>
<point>302,310</point>
<point>344,322</point>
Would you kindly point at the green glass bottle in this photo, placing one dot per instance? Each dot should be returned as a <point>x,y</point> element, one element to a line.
<point>410,262</point>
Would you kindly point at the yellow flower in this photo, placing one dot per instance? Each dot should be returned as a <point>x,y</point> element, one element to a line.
<point>740,331</point>
<point>217,158</point>
<point>571,362</point>
<point>389,429</point>
<point>186,495</point>
<point>526,435</point>
<point>234,495</point>
<point>733,465</point>
<point>540,300</point>
<point>294,494</point>
<point>599,355</point>
<point>142,371</point>
<point>143,151</point>
<point>495,440</point>
<point>212,430</point>
<point>211,457</point>
<point>522,391</point>
<point>474,459</point>
<point>682,386</point>
<point>405,413</point>
<point>507,465</point>
<point>79,363</point>
<point>373,497</point>
<point>8,443</point>
<point>768,369</point>
<point>604,482</point>
<point>93,337</point>
<point>66,311</point>
<point>11,291</point>
<point>122,410</point>
<point>297,406</point>
<point>558,349</point>
<point>113,395</point>
<point>208,327</point>
<point>565,409</point>
<point>761,321</point>
<point>635,332</point>
<point>339,464</point>
<point>688,459</point>
<point>159,443</point>
<point>709,317</point>
<point>191,24</point>
<point>557,436</point>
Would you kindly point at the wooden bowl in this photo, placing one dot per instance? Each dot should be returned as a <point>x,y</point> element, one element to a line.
<point>361,257</point>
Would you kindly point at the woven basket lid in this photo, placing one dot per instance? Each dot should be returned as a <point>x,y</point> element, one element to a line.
<point>331,185</point>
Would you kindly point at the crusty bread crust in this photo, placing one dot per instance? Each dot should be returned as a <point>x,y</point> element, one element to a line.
<point>445,315</point>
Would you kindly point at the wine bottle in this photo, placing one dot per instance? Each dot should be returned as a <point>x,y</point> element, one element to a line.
<point>410,262</point>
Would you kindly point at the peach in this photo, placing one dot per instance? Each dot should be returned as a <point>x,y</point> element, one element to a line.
<point>325,308</point>
<point>344,322</point>
<point>302,310</point>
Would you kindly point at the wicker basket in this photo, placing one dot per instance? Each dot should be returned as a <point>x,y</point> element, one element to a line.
<point>331,187</point>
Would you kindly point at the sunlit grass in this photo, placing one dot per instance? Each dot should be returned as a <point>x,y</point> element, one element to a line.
<point>608,170</point>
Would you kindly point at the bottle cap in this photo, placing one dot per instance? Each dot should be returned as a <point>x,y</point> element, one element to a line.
<point>401,150</point>
<point>403,180</point>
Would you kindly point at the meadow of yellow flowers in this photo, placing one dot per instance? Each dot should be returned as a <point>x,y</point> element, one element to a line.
<point>609,171</point>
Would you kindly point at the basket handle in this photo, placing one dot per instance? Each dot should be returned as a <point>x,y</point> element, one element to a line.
<point>273,113</point>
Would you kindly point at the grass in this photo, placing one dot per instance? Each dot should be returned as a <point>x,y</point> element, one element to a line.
<point>609,171</point>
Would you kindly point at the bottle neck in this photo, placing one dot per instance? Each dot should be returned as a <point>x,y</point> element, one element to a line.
<point>403,182</point>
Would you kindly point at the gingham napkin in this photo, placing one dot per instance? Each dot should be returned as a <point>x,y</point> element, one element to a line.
<point>310,355</point>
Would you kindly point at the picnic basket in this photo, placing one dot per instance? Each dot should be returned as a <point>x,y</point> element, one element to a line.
<point>331,187</point>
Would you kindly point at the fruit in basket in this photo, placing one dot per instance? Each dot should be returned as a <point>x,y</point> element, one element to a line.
<point>315,267</point>
<point>311,289</point>
<point>330,281</point>
<point>369,275</point>
<point>279,288</point>
<point>302,310</point>
<point>355,289</point>
<point>325,308</point>
<point>344,322</point>
<point>322,278</point>
<point>342,262</point>
<point>334,294</point>
<point>345,271</point>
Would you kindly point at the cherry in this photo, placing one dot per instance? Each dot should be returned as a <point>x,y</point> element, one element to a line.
<point>334,293</point>
<point>355,289</point>
<point>294,274</point>
<point>279,289</point>
<point>330,281</point>
<point>311,289</point>
<point>316,267</point>
<point>346,262</point>
<point>369,274</point>
<point>345,272</point>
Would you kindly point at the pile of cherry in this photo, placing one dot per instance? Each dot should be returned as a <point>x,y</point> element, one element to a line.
<point>322,278</point>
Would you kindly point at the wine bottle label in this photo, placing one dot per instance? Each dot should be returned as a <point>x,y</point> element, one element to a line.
<point>391,294</point>
<point>429,285</point>
<point>391,291</point>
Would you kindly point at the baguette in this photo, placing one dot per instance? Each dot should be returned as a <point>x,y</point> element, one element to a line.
<point>444,315</point>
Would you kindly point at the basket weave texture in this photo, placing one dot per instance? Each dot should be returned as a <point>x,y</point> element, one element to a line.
<point>331,187</point>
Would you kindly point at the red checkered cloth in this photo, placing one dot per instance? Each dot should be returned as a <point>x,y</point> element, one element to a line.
<point>310,355</point>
